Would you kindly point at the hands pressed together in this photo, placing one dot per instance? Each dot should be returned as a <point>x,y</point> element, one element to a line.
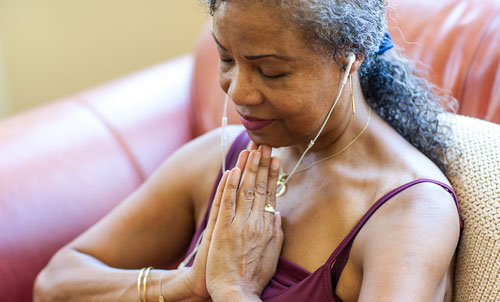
<point>239,252</point>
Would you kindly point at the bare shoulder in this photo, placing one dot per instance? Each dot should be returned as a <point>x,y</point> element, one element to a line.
<point>168,200</point>
<point>197,160</point>
<point>407,246</point>
<point>423,206</point>
<point>198,164</point>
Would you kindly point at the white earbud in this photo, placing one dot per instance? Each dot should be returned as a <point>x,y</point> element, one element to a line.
<point>351,57</point>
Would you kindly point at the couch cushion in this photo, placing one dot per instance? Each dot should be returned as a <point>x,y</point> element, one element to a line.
<point>457,42</point>
<point>61,171</point>
<point>475,178</point>
<point>146,111</point>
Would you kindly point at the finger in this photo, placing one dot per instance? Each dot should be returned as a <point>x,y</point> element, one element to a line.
<point>214,211</point>
<point>228,201</point>
<point>262,180</point>
<point>246,190</point>
<point>252,146</point>
<point>202,253</point>
<point>278,232</point>
<point>242,159</point>
<point>272,184</point>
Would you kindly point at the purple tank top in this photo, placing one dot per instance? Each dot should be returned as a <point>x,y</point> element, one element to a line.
<point>291,282</point>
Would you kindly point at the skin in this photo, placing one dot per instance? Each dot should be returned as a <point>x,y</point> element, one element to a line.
<point>404,252</point>
<point>406,249</point>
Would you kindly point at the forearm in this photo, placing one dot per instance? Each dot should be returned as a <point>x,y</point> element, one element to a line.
<point>78,277</point>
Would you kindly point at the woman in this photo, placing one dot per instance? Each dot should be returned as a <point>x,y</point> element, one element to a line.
<point>297,71</point>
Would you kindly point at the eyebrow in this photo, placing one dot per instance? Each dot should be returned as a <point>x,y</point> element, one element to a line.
<point>251,58</point>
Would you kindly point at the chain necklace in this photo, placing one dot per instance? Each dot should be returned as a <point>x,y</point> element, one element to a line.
<point>284,177</point>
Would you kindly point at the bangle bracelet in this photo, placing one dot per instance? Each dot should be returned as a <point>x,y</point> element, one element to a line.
<point>139,281</point>
<point>160,296</point>
<point>145,282</point>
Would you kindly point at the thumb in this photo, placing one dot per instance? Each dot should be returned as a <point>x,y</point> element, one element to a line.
<point>214,211</point>
<point>227,207</point>
<point>278,231</point>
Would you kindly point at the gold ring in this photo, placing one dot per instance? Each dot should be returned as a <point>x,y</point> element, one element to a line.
<point>269,208</point>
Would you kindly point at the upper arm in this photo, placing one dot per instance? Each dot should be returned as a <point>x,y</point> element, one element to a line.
<point>154,225</point>
<point>407,246</point>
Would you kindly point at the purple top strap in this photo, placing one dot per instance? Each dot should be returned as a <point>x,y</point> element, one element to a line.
<point>341,253</point>
<point>292,283</point>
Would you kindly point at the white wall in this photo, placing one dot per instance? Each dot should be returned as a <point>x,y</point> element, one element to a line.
<point>4,99</point>
<point>52,48</point>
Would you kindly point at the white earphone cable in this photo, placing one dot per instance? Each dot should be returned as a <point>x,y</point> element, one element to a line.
<point>224,138</point>
<point>224,142</point>
<point>351,58</point>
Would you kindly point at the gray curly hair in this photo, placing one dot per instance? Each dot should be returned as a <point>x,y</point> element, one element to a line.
<point>390,84</point>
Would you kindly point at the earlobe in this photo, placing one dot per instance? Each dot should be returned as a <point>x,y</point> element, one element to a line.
<point>344,58</point>
<point>357,63</point>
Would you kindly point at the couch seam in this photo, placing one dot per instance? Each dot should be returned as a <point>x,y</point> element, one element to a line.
<point>116,135</point>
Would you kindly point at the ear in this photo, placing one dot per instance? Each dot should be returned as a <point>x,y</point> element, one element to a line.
<point>359,60</point>
<point>342,59</point>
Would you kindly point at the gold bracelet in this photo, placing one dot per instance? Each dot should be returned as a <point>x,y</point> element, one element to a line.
<point>145,282</point>
<point>139,281</point>
<point>160,296</point>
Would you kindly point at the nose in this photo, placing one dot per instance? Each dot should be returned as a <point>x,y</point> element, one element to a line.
<point>241,87</point>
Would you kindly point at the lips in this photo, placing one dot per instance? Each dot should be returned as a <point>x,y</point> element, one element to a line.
<point>253,124</point>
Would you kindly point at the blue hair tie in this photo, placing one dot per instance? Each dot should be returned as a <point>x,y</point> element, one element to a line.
<point>385,44</point>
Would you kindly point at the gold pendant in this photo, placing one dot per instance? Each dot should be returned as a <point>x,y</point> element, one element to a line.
<point>161,299</point>
<point>281,186</point>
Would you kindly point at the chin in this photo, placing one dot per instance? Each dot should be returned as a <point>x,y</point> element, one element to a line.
<point>270,139</point>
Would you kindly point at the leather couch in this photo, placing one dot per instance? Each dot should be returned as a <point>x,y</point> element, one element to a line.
<point>66,164</point>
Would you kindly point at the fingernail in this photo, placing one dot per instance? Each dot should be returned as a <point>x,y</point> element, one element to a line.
<point>275,164</point>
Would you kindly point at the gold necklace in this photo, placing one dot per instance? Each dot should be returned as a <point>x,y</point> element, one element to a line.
<point>284,177</point>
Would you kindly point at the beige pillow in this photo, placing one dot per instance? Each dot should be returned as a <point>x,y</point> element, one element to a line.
<point>477,184</point>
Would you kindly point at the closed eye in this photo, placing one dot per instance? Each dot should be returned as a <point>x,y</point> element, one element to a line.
<point>277,76</point>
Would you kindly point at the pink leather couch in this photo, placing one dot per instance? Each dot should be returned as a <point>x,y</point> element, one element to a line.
<point>65,165</point>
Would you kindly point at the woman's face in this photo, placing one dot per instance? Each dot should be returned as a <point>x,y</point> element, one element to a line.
<point>281,87</point>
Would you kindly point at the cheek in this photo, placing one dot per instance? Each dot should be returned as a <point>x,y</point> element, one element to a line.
<point>304,110</point>
<point>317,96</point>
<point>312,104</point>
<point>224,79</point>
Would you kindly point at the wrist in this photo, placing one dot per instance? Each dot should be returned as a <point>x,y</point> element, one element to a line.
<point>234,293</point>
<point>191,290</point>
<point>173,285</point>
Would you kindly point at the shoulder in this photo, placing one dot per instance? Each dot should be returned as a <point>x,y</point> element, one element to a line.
<point>194,167</point>
<point>205,149</point>
<point>198,159</point>
<point>211,141</point>
<point>422,206</point>
<point>408,244</point>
